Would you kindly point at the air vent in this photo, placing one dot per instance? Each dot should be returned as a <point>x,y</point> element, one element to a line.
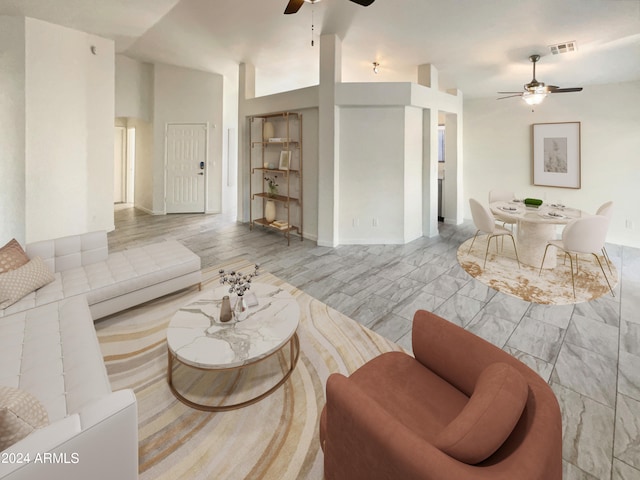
<point>565,47</point>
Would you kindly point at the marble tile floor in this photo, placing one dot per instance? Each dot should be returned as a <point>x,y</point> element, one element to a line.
<point>589,353</point>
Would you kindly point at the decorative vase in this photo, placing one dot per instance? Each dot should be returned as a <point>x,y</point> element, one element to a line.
<point>240,309</point>
<point>225,310</point>
<point>267,131</point>
<point>270,211</point>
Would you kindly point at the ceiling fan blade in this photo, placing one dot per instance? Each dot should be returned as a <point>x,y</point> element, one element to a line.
<point>293,6</point>
<point>565,90</point>
<point>364,3</point>
<point>510,96</point>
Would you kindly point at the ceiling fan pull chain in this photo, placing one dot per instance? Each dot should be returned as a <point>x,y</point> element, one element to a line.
<point>312,9</point>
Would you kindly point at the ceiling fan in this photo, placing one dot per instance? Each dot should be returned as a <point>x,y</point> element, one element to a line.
<point>294,5</point>
<point>534,91</point>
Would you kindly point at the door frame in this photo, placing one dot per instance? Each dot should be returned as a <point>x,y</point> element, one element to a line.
<point>123,161</point>
<point>206,161</point>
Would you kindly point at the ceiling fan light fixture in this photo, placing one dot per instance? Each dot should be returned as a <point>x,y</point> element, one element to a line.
<point>375,67</point>
<point>533,98</point>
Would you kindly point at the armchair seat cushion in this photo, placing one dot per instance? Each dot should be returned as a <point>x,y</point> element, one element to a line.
<point>488,418</point>
<point>419,399</point>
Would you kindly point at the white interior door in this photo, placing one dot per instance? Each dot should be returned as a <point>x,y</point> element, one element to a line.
<point>119,161</point>
<point>186,160</point>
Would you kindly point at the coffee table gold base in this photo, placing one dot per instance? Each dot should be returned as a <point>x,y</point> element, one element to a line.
<point>294,352</point>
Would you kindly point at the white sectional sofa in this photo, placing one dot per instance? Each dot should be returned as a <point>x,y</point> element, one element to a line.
<point>52,352</point>
<point>49,348</point>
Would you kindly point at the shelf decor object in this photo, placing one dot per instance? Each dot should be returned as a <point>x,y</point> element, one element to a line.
<point>270,211</point>
<point>267,131</point>
<point>275,166</point>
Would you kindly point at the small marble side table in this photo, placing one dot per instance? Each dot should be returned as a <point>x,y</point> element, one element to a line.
<point>198,339</point>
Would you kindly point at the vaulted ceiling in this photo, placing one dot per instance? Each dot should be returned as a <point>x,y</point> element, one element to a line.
<point>479,47</point>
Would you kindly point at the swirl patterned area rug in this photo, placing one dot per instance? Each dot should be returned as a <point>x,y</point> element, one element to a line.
<point>275,438</point>
<point>552,286</point>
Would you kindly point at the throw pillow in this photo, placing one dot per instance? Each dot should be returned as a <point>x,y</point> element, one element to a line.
<point>20,414</point>
<point>12,256</point>
<point>488,418</point>
<point>23,280</point>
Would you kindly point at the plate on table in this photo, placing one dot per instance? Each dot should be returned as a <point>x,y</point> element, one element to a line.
<point>557,215</point>
<point>508,209</point>
<point>557,205</point>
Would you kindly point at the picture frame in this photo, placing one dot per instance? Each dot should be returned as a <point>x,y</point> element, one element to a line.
<point>556,154</point>
<point>285,160</point>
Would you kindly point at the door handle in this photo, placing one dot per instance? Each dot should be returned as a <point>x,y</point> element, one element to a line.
<point>200,173</point>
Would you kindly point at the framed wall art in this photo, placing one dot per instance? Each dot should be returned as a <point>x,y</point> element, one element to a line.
<point>556,154</point>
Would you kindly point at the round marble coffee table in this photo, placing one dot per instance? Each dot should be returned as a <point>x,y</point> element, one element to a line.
<point>198,339</point>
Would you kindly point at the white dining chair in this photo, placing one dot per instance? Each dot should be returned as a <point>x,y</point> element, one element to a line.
<point>582,236</point>
<point>502,196</point>
<point>606,210</point>
<point>485,222</point>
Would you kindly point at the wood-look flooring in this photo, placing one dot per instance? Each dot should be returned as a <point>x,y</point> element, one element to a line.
<point>589,352</point>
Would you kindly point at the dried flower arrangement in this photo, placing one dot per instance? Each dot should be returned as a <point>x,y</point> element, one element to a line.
<point>238,282</point>
<point>272,185</point>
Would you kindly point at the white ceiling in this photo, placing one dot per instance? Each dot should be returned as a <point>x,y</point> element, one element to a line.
<point>479,47</point>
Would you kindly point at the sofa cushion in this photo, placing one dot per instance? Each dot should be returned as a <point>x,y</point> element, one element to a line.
<point>20,414</point>
<point>489,417</point>
<point>12,256</point>
<point>18,283</point>
<point>52,351</point>
<point>66,253</point>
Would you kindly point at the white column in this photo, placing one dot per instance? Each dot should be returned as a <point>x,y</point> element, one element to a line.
<point>412,170</point>
<point>328,137</point>
<point>453,179</point>
<point>430,172</point>
<point>428,77</point>
<point>246,90</point>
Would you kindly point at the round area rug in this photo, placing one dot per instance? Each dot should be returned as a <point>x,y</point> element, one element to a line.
<point>552,286</point>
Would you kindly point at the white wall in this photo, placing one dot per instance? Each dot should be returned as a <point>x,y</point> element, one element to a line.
<point>12,133</point>
<point>134,103</point>
<point>69,131</point>
<point>143,189</point>
<point>371,175</point>
<point>60,121</point>
<point>134,88</point>
<point>497,145</point>
<point>183,95</point>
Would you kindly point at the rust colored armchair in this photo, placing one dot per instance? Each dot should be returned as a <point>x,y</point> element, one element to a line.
<point>461,409</point>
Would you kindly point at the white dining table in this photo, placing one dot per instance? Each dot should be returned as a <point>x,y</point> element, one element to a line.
<point>535,227</point>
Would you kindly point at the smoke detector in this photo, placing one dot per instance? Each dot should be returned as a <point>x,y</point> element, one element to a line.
<point>565,47</point>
